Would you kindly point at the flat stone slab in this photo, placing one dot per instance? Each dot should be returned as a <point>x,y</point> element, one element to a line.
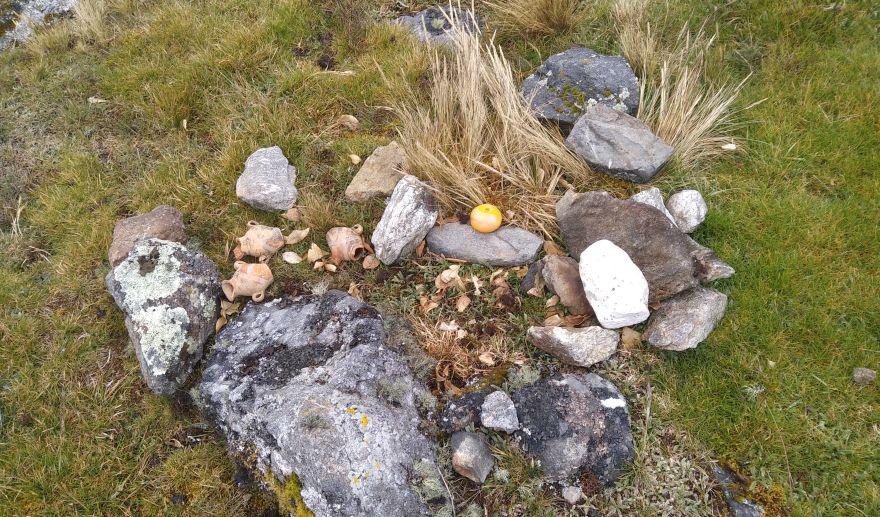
<point>506,247</point>
<point>378,175</point>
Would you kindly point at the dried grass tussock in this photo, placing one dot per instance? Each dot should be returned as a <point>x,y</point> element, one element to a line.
<point>677,101</point>
<point>475,139</point>
<point>89,20</point>
<point>539,16</point>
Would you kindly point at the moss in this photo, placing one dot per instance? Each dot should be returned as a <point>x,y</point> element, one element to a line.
<point>289,493</point>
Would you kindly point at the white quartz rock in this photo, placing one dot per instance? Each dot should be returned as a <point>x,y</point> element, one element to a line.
<point>688,209</point>
<point>616,288</point>
<point>653,197</point>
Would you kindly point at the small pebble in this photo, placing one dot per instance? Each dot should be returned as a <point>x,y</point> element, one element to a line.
<point>864,376</point>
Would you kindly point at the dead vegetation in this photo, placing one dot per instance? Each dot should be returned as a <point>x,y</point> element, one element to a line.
<point>539,16</point>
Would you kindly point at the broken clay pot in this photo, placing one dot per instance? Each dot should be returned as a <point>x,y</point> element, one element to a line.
<point>346,244</point>
<point>249,280</point>
<point>260,241</point>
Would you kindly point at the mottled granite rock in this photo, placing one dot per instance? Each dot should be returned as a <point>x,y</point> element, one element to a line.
<point>688,209</point>
<point>162,222</point>
<point>506,247</point>
<point>460,412</point>
<point>652,197</point>
<point>686,320</point>
<point>169,295</point>
<point>267,182</point>
<point>582,347</point>
<point>863,376</point>
<point>498,413</point>
<point>23,17</point>
<point>411,212</point>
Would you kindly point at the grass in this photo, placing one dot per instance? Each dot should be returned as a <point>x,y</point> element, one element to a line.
<point>194,87</point>
<point>539,16</point>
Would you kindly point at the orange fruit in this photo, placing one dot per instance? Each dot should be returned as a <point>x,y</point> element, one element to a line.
<point>486,218</point>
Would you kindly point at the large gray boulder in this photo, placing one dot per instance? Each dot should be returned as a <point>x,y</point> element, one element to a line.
<point>505,247</point>
<point>163,222</point>
<point>267,182</point>
<point>567,84</point>
<point>686,320</point>
<point>618,145</point>
<point>576,424</point>
<point>305,387</point>
<point>438,25</point>
<point>671,261</point>
<point>169,295</point>
<point>411,212</point>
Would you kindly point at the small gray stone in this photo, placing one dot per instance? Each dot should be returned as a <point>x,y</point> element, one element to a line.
<point>471,456</point>
<point>267,182</point>
<point>411,212</point>
<point>162,222</point>
<point>652,197</point>
<point>562,277</point>
<point>506,247</point>
<point>572,494</point>
<point>569,83</point>
<point>582,347</point>
<point>169,295</point>
<point>686,320</point>
<point>735,494</point>
<point>379,174</point>
<point>618,145</point>
<point>688,209</point>
<point>499,413</point>
<point>438,25</point>
<point>864,376</point>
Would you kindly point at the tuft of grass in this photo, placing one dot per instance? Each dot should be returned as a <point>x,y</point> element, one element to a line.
<point>89,20</point>
<point>475,139</point>
<point>539,16</point>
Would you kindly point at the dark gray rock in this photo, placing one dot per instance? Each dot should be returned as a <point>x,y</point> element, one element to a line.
<point>529,281</point>
<point>169,295</point>
<point>686,320</point>
<point>506,247</point>
<point>864,376</point>
<point>735,492</point>
<point>671,261</point>
<point>411,212</point>
<point>437,25</point>
<point>460,412</point>
<point>618,145</point>
<point>19,18</point>
<point>162,222</point>
<point>575,424</point>
<point>471,456</point>
<point>305,386</point>
<point>582,347</point>
<point>499,413</point>
<point>569,83</point>
<point>267,182</point>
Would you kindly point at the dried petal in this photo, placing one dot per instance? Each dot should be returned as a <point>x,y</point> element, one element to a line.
<point>291,257</point>
<point>297,236</point>
<point>487,358</point>
<point>315,253</point>
<point>462,303</point>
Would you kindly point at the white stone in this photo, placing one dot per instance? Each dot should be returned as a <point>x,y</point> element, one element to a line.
<point>688,209</point>
<point>616,288</point>
<point>411,212</point>
<point>582,347</point>
<point>267,182</point>
<point>499,413</point>
<point>653,197</point>
<point>572,495</point>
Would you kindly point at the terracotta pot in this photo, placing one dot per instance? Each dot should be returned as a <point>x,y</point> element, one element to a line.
<point>346,244</point>
<point>260,241</point>
<point>249,280</point>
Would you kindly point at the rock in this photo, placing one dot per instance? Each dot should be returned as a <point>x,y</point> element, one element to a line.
<point>562,277</point>
<point>169,295</point>
<point>575,424</point>
<point>379,174</point>
<point>569,83</point>
<point>411,212</point>
<point>616,288</point>
<point>506,247</point>
<point>653,197</point>
<point>438,25</point>
<point>572,494</point>
<point>686,320</point>
<point>304,387</point>
<point>688,209</point>
<point>618,145</point>
<point>163,222</point>
<point>499,413</point>
<point>471,456</point>
<point>267,182</point>
<point>459,413</point>
<point>582,347</point>
<point>20,18</point>
<point>530,280</point>
<point>864,376</point>
<point>735,493</point>
<point>671,261</point>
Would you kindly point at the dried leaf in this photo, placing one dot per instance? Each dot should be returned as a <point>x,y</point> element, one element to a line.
<point>315,253</point>
<point>221,322</point>
<point>448,326</point>
<point>355,159</point>
<point>553,300</point>
<point>354,290</point>
<point>330,268</point>
<point>371,262</point>
<point>487,358</point>
<point>449,278</point>
<point>551,248</point>
<point>291,257</point>
<point>462,303</point>
<point>461,334</point>
<point>420,249</point>
<point>553,321</point>
<point>477,284</point>
<point>296,236</point>
<point>426,304</point>
<point>629,338</point>
<point>319,265</point>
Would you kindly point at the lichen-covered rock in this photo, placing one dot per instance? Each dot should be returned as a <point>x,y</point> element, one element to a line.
<point>162,222</point>
<point>569,83</point>
<point>614,285</point>
<point>686,320</point>
<point>438,25</point>
<point>618,145</point>
<point>169,295</point>
<point>471,456</point>
<point>411,212</point>
<point>652,197</point>
<point>499,413</point>
<point>306,386</point>
<point>736,494</point>
<point>508,246</point>
<point>378,175</point>
<point>582,347</point>
<point>576,424</point>
<point>688,209</point>
<point>267,182</point>
<point>19,19</point>
<point>671,261</point>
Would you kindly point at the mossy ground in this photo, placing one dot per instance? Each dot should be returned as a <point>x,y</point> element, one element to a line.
<point>192,88</point>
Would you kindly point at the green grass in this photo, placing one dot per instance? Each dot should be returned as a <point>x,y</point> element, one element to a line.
<point>796,214</point>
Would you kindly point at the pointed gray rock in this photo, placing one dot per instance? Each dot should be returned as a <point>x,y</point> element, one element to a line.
<point>686,320</point>
<point>267,182</point>
<point>618,145</point>
<point>411,212</point>
<point>506,247</point>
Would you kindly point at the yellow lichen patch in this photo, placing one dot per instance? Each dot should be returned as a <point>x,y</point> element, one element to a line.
<point>290,501</point>
<point>364,421</point>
